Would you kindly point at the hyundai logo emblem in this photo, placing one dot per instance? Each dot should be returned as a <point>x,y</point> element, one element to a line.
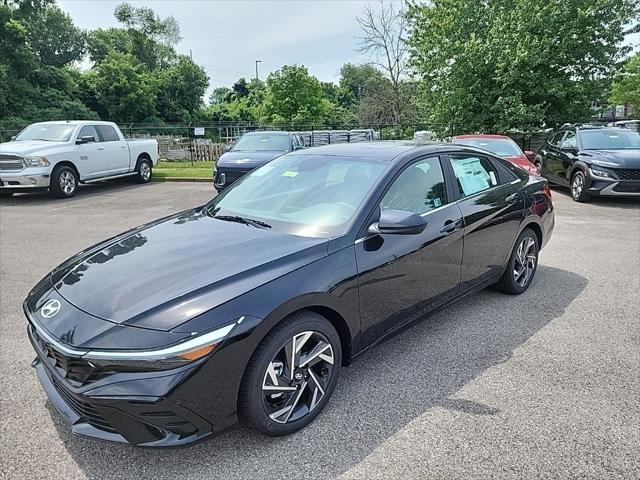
<point>50,308</point>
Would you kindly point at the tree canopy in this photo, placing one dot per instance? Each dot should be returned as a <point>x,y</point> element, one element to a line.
<point>625,89</point>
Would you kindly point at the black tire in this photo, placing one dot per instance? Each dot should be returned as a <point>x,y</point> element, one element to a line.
<point>512,280</point>
<point>254,405</point>
<point>144,170</point>
<point>578,187</point>
<point>64,182</point>
<point>5,194</point>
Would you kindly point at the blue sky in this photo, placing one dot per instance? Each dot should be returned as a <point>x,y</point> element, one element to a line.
<point>226,37</point>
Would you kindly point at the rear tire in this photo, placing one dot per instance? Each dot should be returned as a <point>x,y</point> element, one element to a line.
<point>522,264</point>
<point>578,187</point>
<point>279,395</point>
<point>144,171</point>
<point>64,182</point>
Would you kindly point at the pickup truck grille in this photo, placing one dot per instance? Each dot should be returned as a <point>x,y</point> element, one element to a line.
<point>10,162</point>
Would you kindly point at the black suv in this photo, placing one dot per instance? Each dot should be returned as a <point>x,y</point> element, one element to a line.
<point>592,160</point>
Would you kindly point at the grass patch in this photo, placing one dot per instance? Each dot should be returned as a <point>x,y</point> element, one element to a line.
<point>184,169</point>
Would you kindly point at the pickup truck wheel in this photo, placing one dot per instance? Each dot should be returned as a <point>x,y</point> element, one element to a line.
<point>144,171</point>
<point>64,182</point>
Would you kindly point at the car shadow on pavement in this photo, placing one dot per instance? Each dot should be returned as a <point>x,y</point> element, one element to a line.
<point>84,191</point>
<point>420,369</point>
<point>621,202</point>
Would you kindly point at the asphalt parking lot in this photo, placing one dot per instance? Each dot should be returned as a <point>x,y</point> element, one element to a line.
<point>543,385</point>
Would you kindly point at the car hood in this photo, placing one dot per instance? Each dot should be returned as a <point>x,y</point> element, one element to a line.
<point>163,274</point>
<point>247,160</point>
<point>28,147</point>
<point>613,158</point>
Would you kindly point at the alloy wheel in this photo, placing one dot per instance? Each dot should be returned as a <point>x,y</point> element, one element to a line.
<point>577,186</point>
<point>67,182</point>
<point>297,377</point>
<point>145,171</point>
<point>525,261</point>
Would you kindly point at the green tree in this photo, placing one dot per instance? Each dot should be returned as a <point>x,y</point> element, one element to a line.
<point>357,81</point>
<point>625,89</point>
<point>124,90</point>
<point>55,39</point>
<point>179,90</point>
<point>294,97</point>
<point>102,41</point>
<point>493,66</point>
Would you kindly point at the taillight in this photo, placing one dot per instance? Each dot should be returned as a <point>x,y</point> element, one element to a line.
<point>547,191</point>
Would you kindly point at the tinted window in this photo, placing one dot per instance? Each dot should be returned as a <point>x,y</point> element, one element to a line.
<point>418,189</point>
<point>89,131</point>
<point>555,140</point>
<point>569,141</point>
<point>108,133</point>
<point>474,174</point>
<point>609,139</point>
<point>256,142</point>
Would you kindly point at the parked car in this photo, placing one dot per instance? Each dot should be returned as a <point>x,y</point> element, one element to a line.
<point>59,155</point>
<point>249,305</point>
<point>502,146</point>
<point>253,150</point>
<point>593,160</point>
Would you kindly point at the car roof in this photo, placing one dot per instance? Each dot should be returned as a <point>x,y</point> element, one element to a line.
<point>383,150</point>
<point>268,132</point>
<point>482,135</point>
<point>75,122</point>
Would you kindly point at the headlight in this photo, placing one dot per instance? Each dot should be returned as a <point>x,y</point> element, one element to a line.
<point>166,357</point>
<point>600,173</point>
<point>36,161</point>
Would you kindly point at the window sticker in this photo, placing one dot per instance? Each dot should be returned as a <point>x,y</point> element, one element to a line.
<point>290,173</point>
<point>436,202</point>
<point>492,175</point>
<point>472,175</point>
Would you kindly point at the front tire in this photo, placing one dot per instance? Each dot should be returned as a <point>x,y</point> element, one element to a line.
<point>64,182</point>
<point>522,264</point>
<point>144,170</point>
<point>578,187</point>
<point>291,375</point>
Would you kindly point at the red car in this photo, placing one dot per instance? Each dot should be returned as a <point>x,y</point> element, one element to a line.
<point>502,146</point>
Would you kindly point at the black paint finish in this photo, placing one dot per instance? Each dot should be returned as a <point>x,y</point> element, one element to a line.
<point>161,283</point>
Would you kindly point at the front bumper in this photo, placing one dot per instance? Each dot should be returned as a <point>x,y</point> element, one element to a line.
<point>24,181</point>
<point>614,188</point>
<point>137,408</point>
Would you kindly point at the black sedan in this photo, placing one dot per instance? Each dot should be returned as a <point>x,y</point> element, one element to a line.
<point>247,307</point>
<point>592,160</point>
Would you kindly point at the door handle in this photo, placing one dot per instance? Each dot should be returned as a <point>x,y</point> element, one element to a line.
<point>451,226</point>
<point>123,146</point>
<point>100,148</point>
<point>511,199</point>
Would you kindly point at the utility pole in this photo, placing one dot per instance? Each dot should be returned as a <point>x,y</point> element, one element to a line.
<point>258,88</point>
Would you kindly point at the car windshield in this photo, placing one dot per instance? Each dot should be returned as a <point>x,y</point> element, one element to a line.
<point>50,132</point>
<point>306,195</point>
<point>256,142</point>
<point>502,147</point>
<point>609,139</point>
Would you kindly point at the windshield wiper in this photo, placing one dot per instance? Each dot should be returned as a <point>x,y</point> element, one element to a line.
<point>246,221</point>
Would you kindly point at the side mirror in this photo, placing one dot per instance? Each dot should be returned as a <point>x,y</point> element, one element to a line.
<point>398,222</point>
<point>13,137</point>
<point>86,139</point>
<point>529,154</point>
<point>297,147</point>
<point>572,150</point>
<point>228,147</point>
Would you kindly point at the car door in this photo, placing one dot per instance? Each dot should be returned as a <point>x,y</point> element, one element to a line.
<point>567,151</point>
<point>401,277</point>
<point>92,157</point>
<point>116,148</point>
<point>492,209</point>
<point>552,166</point>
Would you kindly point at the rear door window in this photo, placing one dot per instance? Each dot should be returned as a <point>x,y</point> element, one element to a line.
<point>474,174</point>
<point>108,133</point>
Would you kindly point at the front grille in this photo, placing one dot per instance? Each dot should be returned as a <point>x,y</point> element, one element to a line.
<point>628,173</point>
<point>232,174</point>
<point>73,368</point>
<point>10,162</point>
<point>83,409</point>
<point>627,188</point>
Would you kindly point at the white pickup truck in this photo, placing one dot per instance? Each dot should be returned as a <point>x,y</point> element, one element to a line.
<point>59,155</point>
